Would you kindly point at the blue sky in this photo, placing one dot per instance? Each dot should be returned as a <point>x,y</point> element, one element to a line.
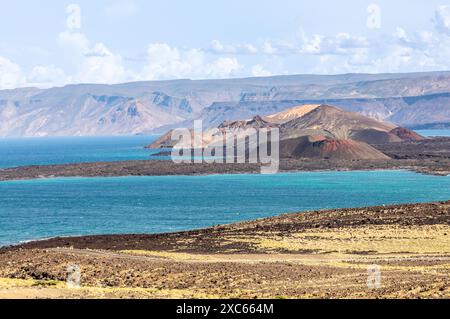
<point>46,43</point>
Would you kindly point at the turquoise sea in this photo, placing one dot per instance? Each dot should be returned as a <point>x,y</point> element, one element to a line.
<point>80,206</point>
<point>39,209</point>
<point>62,150</point>
<point>433,133</point>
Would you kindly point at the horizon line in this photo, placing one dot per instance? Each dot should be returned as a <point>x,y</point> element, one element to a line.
<point>223,79</point>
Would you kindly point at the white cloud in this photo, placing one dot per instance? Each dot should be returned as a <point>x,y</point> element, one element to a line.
<point>93,62</point>
<point>166,62</point>
<point>268,48</point>
<point>250,48</point>
<point>46,76</point>
<point>311,45</point>
<point>101,66</point>
<point>258,70</point>
<point>341,43</point>
<point>317,44</point>
<point>75,40</point>
<point>97,63</point>
<point>398,57</point>
<point>418,40</point>
<point>391,56</point>
<point>10,74</point>
<point>402,51</point>
<point>442,19</point>
<point>218,47</point>
<point>400,34</point>
<point>222,68</point>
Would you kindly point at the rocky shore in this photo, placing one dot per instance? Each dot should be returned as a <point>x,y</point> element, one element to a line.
<point>162,168</point>
<point>322,254</point>
<point>431,156</point>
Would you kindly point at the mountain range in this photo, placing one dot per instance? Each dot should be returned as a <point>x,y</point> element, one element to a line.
<point>413,99</point>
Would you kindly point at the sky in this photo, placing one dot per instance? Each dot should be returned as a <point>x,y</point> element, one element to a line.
<point>56,42</point>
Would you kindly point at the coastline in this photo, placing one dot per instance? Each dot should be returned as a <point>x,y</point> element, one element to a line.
<point>188,230</point>
<point>313,191</point>
<point>168,168</point>
<point>60,239</point>
<point>431,156</point>
<point>264,258</point>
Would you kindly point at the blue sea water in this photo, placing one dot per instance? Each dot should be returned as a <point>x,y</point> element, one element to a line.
<point>80,206</point>
<point>433,133</point>
<point>63,150</point>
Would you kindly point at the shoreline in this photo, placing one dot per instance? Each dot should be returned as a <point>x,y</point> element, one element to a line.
<point>168,168</point>
<point>195,230</point>
<point>431,156</point>
<point>361,170</point>
<point>181,232</point>
<point>315,254</point>
<point>51,241</point>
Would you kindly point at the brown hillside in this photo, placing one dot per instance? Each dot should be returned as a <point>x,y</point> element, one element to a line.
<point>331,122</point>
<point>291,114</point>
<point>325,148</point>
<point>407,135</point>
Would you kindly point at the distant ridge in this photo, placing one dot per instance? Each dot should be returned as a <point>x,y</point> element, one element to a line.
<point>144,107</point>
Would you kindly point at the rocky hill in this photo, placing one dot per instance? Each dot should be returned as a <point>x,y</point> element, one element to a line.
<point>319,131</point>
<point>320,147</point>
<point>292,113</point>
<point>332,122</point>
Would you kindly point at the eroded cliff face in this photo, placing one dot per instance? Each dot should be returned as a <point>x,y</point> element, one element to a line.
<point>143,107</point>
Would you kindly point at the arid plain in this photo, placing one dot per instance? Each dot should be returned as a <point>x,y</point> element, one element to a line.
<point>326,254</point>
